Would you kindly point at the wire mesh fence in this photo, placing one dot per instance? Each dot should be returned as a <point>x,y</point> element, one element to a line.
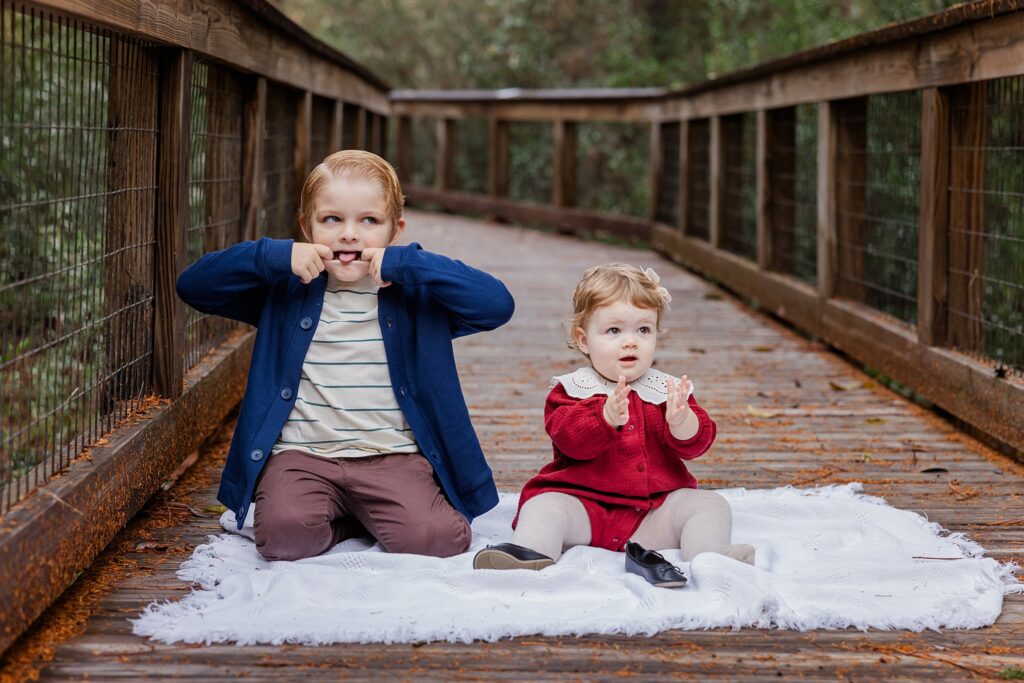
<point>698,195</point>
<point>880,172</point>
<point>667,211</point>
<point>530,161</point>
<point>472,143</point>
<point>739,208</point>
<point>320,134</point>
<point>77,200</point>
<point>350,132</point>
<point>214,189</point>
<point>613,168</point>
<point>424,151</point>
<point>794,183</point>
<point>280,194</point>
<point>986,248</point>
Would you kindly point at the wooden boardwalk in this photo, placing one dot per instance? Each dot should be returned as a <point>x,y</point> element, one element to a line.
<point>789,412</point>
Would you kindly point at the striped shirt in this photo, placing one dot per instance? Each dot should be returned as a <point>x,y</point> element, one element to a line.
<point>345,406</point>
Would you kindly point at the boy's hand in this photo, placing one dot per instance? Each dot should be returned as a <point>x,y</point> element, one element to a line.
<point>308,260</point>
<point>682,422</point>
<point>375,255</point>
<point>616,406</point>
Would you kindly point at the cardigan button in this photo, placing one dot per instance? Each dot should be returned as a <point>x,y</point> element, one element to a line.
<point>401,390</point>
<point>256,455</point>
<point>640,467</point>
<point>306,323</point>
<point>286,393</point>
<point>389,321</point>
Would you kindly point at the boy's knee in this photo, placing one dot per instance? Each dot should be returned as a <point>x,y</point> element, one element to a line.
<point>434,536</point>
<point>291,534</point>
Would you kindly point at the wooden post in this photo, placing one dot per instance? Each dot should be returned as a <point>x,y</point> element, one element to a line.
<point>564,190</point>
<point>403,149</point>
<point>851,196</point>
<point>763,160</point>
<point>175,115</point>
<point>827,157</point>
<point>362,129</point>
<point>933,224</point>
<point>444,177</point>
<point>497,170</point>
<point>254,123</point>
<point>376,135</point>
<point>384,152</point>
<point>336,134</point>
<point>717,183</point>
<point>684,175</point>
<point>657,168</point>
<point>967,214</point>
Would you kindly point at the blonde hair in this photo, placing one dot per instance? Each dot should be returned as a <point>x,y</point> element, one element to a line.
<point>354,163</point>
<point>602,286</point>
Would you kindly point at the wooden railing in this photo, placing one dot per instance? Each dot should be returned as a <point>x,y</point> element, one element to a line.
<point>869,192</point>
<point>137,136</point>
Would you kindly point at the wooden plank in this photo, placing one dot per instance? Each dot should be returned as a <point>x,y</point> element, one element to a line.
<point>851,196</point>
<point>497,168</point>
<point>444,161</point>
<point>172,219</point>
<point>685,172</point>
<point>933,224</point>
<point>762,164</point>
<point>717,182</point>
<point>641,110</point>
<point>232,33</point>
<point>564,174</point>
<point>254,122</point>
<point>828,154</point>
<point>967,215</point>
<point>362,129</point>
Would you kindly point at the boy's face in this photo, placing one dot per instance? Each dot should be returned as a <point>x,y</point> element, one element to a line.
<point>620,340</point>
<point>349,215</point>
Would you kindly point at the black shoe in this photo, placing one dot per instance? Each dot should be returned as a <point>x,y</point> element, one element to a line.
<point>654,568</point>
<point>510,556</point>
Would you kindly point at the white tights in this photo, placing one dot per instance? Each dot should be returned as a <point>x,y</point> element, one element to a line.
<point>692,520</point>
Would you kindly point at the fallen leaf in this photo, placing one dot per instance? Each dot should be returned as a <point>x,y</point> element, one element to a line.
<point>758,412</point>
<point>875,420</point>
<point>844,387</point>
<point>763,349</point>
<point>219,509</point>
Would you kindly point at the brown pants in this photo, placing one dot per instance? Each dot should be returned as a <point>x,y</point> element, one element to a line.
<point>306,504</point>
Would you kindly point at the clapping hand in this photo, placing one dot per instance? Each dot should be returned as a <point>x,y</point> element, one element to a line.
<point>677,408</point>
<point>616,406</point>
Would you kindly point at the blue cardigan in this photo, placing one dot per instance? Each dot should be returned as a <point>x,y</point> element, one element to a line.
<point>432,300</point>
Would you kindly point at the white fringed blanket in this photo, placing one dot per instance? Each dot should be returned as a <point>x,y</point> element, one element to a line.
<point>828,557</point>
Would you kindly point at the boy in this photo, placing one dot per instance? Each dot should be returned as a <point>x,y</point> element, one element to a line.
<point>353,419</point>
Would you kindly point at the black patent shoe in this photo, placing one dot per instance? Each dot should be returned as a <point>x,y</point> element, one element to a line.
<point>510,556</point>
<point>654,568</point>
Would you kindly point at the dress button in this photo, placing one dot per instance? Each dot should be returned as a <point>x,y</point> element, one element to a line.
<point>640,467</point>
<point>306,323</point>
<point>638,508</point>
<point>286,393</point>
<point>630,427</point>
<point>615,540</point>
<point>256,455</point>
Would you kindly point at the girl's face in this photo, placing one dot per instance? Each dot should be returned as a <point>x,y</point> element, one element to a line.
<point>349,215</point>
<point>620,340</point>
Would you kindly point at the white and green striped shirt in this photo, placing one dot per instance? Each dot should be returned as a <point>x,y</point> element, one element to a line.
<point>345,405</point>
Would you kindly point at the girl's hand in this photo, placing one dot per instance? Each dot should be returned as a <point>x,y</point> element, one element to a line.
<point>308,260</point>
<point>616,407</point>
<point>678,409</point>
<point>375,255</point>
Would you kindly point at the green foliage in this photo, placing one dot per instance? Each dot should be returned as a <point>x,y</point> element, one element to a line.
<point>1011,673</point>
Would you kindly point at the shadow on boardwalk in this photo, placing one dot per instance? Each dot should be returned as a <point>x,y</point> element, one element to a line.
<point>789,412</point>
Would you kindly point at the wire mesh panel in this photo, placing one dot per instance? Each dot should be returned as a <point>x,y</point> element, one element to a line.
<point>320,134</point>
<point>424,151</point>
<point>613,168</point>
<point>698,195</point>
<point>667,211</point>
<point>986,249</point>
<point>794,183</point>
<point>739,210</point>
<point>531,161</point>
<point>280,194</point>
<point>77,203</point>
<point>879,184</point>
<point>214,189</point>
<point>472,150</point>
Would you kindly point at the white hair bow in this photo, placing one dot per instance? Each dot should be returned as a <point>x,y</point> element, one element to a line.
<point>653,277</point>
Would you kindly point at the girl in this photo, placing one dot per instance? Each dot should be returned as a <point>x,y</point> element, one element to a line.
<point>621,432</point>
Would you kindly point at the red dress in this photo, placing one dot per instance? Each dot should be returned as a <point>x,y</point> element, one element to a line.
<point>619,474</point>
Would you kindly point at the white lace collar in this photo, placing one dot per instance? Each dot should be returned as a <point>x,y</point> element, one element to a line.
<point>586,382</point>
